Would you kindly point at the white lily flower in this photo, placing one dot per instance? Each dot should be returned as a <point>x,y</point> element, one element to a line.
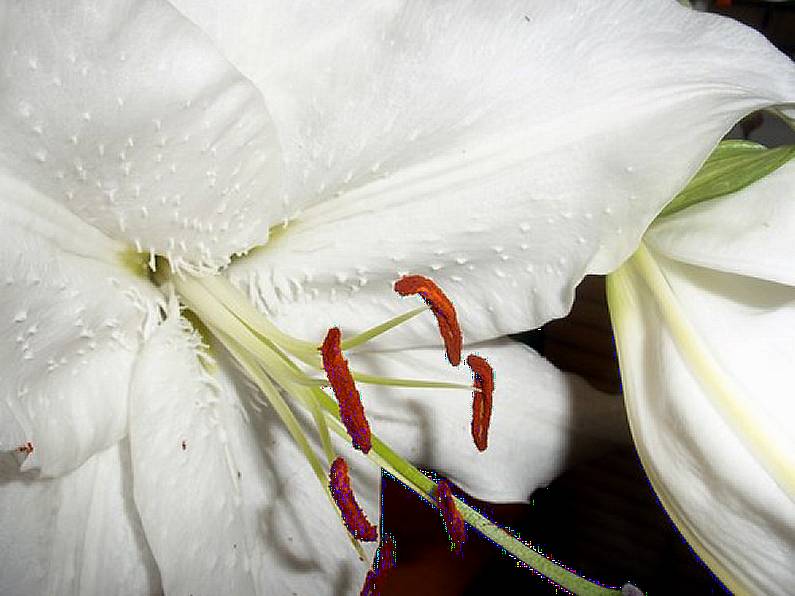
<point>504,152</point>
<point>703,318</point>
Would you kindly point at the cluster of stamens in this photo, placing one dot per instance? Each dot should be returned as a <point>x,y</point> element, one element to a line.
<point>353,417</point>
<point>265,354</point>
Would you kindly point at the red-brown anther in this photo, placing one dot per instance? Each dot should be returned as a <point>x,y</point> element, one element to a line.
<point>384,561</point>
<point>442,308</point>
<point>481,400</point>
<point>453,521</point>
<point>27,448</point>
<point>352,515</point>
<point>341,379</point>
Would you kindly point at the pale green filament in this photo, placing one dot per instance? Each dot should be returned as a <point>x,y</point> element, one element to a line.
<point>236,302</point>
<point>374,332</point>
<point>415,383</point>
<point>320,422</point>
<point>262,350</point>
<point>307,351</point>
<point>257,372</point>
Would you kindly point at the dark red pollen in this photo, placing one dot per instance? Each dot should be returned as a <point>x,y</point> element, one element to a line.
<point>27,448</point>
<point>352,515</point>
<point>442,308</point>
<point>384,561</point>
<point>453,522</point>
<point>481,399</point>
<point>341,379</point>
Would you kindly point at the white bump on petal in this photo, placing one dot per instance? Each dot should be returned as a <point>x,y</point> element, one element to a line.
<point>71,322</point>
<point>115,129</point>
<point>534,136</point>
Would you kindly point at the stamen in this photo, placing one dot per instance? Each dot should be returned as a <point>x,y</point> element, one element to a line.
<point>481,399</point>
<point>384,561</point>
<point>453,521</point>
<point>442,308</point>
<point>27,448</point>
<point>352,515</point>
<point>339,375</point>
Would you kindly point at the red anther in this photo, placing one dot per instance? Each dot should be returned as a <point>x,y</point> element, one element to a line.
<point>442,308</point>
<point>27,448</point>
<point>383,562</point>
<point>352,515</point>
<point>481,400</point>
<point>341,379</point>
<point>453,521</point>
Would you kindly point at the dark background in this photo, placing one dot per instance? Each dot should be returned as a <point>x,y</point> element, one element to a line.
<point>601,518</point>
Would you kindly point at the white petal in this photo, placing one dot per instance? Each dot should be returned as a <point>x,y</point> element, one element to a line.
<point>71,321</point>
<point>751,232</point>
<point>74,535</point>
<point>542,421</point>
<point>501,150</point>
<point>127,115</point>
<point>228,502</point>
<point>715,487</point>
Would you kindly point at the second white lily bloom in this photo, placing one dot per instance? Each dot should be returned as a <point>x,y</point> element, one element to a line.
<point>704,317</point>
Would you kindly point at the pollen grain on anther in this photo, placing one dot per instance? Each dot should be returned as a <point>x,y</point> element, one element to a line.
<point>27,448</point>
<point>481,399</point>
<point>384,561</point>
<point>453,521</point>
<point>352,515</point>
<point>442,308</point>
<point>344,387</point>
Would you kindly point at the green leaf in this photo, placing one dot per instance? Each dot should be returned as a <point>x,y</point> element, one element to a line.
<point>731,167</point>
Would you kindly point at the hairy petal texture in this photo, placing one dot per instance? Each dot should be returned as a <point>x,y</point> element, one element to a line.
<point>503,152</point>
<point>74,535</point>
<point>729,504</point>
<point>542,420</point>
<point>227,499</point>
<point>72,319</point>
<point>125,113</point>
